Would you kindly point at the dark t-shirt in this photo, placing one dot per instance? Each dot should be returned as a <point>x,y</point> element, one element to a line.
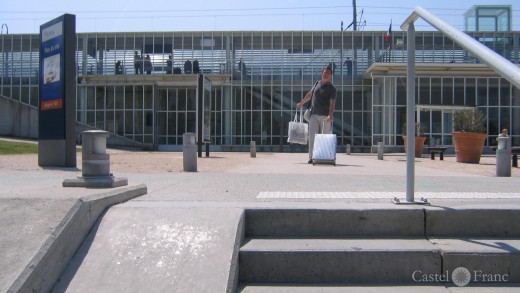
<point>323,93</point>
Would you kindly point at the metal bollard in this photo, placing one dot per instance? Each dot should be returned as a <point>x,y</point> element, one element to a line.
<point>380,150</point>
<point>252,149</point>
<point>348,149</point>
<point>189,152</point>
<point>503,157</point>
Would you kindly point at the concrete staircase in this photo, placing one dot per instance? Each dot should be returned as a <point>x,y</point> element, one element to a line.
<point>410,245</point>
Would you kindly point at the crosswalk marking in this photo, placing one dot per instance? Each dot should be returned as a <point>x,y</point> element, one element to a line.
<point>384,195</point>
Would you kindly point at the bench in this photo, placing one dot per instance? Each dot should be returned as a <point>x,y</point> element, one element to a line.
<point>438,149</point>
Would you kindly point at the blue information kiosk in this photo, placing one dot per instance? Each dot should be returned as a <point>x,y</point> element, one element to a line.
<point>57,105</point>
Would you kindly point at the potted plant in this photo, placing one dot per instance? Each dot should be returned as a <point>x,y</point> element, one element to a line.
<point>419,138</point>
<point>469,135</point>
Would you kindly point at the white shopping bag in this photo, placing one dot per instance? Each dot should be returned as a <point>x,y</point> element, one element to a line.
<point>298,130</point>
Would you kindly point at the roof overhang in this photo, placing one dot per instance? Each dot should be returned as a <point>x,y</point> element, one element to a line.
<point>437,69</point>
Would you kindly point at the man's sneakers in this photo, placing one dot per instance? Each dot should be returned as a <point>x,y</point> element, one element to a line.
<point>309,162</point>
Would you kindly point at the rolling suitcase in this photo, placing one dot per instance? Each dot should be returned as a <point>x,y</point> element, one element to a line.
<point>324,151</point>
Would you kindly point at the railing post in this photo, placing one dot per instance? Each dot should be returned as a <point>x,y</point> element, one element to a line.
<point>410,114</point>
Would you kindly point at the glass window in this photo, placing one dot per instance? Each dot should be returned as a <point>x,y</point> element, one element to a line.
<point>347,101</point>
<point>493,120</point>
<point>458,91</point>
<point>436,91</point>
<point>358,101</point>
<point>470,92</point>
<point>120,130</point>
<point>515,99</point>
<point>504,118</point>
<point>424,91</point>
<point>493,90</point>
<point>172,99</point>
<point>401,91</point>
<point>129,98</point>
<point>447,91</point>
<point>91,98</point>
<point>505,92</point>
<point>148,97</point>
<point>110,121</point>
<point>110,101</point>
<point>482,92</point>
<point>129,123</point>
<point>138,97</point>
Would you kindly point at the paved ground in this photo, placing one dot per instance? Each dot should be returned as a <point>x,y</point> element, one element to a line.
<point>33,201</point>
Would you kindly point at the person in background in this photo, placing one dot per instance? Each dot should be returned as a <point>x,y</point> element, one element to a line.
<point>148,64</point>
<point>169,65</point>
<point>138,63</point>
<point>323,103</point>
<point>196,68</point>
<point>119,67</point>
<point>187,67</point>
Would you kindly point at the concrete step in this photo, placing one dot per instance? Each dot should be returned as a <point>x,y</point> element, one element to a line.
<point>369,261</point>
<point>397,221</point>
<point>374,288</point>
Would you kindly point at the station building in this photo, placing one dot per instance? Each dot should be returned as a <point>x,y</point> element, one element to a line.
<point>141,86</point>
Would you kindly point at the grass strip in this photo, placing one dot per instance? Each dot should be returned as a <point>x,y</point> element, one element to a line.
<point>17,148</point>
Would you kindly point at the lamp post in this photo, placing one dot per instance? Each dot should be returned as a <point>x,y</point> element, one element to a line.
<point>4,60</point>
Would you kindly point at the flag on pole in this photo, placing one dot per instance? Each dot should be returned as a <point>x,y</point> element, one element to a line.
<point>389,33</point>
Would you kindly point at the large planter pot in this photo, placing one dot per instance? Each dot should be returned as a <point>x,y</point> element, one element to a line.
<point>419,145</point>
<point>468,146</point>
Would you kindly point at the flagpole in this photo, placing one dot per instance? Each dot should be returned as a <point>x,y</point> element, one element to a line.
<point>388,39</point>
<point>354,16</point>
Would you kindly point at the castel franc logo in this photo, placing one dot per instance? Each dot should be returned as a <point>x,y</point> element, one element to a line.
<point>460,276</point>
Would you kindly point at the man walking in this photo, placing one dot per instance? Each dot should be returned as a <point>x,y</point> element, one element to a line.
<point>323,96</point>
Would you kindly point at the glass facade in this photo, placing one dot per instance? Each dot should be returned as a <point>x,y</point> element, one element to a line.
<point>489,18</point>
<point>142,86</point>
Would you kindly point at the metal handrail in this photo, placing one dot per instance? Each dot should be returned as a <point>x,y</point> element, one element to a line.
<point>501,65</point>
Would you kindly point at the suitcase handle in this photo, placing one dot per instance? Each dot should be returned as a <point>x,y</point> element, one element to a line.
<point>323,125</point>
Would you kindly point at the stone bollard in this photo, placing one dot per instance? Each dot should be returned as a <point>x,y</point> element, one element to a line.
<point>95,160</point>
<point>95,163</point>
<point>348,149</point>
<point>503,157</point>
<point>380,150</point>
<point>252,149</point>
<point>189,152</point>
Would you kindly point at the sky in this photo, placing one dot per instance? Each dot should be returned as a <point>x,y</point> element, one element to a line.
<point>25,17</point>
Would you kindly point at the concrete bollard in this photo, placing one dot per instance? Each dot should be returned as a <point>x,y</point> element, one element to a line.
<point>189,152</point>
<point>95,163</point>
<point>252,149</point>
<point>380,150</point>
<point>95,160</point>
<point>348,149</point>
<point>503,157</point>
